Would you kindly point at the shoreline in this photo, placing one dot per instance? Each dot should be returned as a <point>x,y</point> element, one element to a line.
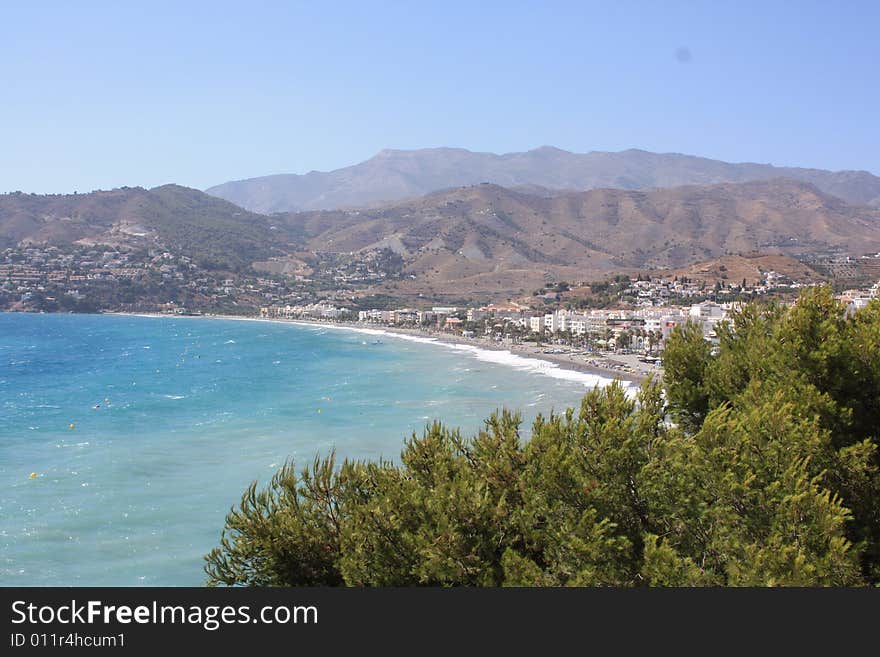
<point>568,361</point>
<point>571,361</point>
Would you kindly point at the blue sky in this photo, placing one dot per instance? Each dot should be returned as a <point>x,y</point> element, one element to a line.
<point>95,95</point>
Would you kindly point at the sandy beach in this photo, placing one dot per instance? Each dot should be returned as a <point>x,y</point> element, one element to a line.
<point>625,367</point>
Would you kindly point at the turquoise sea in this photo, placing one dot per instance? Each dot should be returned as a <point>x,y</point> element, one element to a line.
<point>142,431</point>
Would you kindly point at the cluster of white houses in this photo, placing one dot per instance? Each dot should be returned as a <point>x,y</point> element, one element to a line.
<point>639,329</point>
<point>658,291</point>
<point>857,299</point>
<point>635,329</point>
<point>307,311</point>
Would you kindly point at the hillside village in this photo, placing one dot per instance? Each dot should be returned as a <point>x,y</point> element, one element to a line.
<point>75,278</point>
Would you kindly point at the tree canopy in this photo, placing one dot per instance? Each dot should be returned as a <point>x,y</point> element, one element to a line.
<point>757,465</point>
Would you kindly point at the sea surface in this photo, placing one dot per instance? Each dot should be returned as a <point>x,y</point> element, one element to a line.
<point>142,432</point>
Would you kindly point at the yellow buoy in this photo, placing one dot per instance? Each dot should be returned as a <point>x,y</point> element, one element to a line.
<point>72,425</point>
<point>33,475</point>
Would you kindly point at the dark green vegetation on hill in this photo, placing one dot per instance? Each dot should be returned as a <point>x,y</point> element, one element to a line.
<point>768,477</point>
<point>214,233</point>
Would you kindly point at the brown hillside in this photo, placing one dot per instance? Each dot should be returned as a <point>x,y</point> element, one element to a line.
<point>733,269</point>
<point>466,237</point>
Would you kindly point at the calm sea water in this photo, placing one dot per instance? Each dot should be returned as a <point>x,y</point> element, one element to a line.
<point>143,431</point>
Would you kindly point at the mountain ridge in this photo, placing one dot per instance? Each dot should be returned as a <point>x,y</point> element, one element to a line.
<point>394,174</point>
<point>486,238</point>
<point>483,238</point>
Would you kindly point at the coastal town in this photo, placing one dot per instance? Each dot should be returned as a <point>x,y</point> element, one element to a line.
<point>625,341</point>
<point>625,334</point>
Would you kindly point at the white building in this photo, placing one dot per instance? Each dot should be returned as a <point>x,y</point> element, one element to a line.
<point>707,311</point>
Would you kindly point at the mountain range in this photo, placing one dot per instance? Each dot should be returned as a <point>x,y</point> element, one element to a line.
<point>474,240</point>
<point>398,174</point>
<point>486,238</point>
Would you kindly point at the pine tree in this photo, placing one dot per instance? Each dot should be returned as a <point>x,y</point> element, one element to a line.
<point>768,476</point>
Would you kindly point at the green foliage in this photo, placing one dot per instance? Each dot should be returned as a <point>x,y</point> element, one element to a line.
<point>814,362</point>
<point>685,361</point>
<point>740,499</point>
<point>604,294</point>
<point>287,533</point>
<point>768,477</point>
<point>443,518</point>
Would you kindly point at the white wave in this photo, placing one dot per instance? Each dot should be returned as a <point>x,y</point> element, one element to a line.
<point>498,357</point>
<point>229,342</point>
<point>531,365</point>
<point>174,396</point>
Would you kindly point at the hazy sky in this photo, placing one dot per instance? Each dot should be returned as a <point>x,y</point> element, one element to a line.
<point>103,94</point>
